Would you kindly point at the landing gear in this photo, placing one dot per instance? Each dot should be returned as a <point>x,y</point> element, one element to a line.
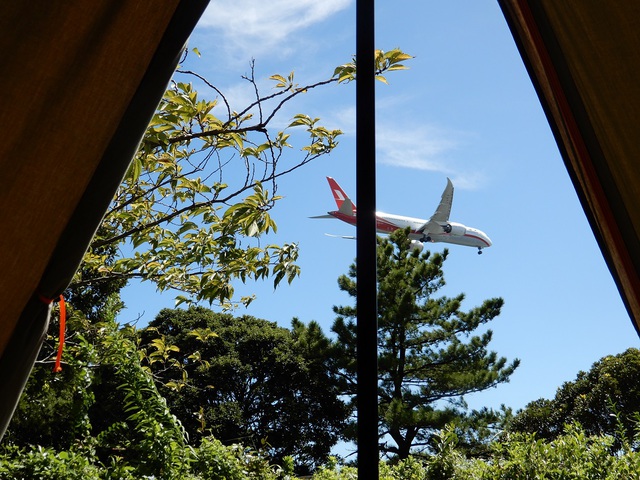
<point>479,251</point>
<point>425,239</point>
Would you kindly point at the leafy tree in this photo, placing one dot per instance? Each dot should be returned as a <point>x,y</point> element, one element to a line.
<point>54,410</point>
<point>245,380</point>
<point>66,411</point>
<point>428,358</point>
<point>600,400</point>
<point>133,436</point>
<point>195,202</point>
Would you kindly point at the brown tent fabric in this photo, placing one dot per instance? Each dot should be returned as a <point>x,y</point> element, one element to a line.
<point>582,56</point>
<point>80,82</point>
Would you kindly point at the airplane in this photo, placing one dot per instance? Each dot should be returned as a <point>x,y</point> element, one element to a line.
<point>437,229</point>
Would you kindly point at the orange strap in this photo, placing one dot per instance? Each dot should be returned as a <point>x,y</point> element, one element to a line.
<point>63,321</point>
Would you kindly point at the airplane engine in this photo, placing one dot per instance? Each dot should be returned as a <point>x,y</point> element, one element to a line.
<point>416,245</point>
<point>454,229</point>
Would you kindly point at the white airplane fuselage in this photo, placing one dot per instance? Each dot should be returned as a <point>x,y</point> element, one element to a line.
<point>459,235</point>
<point>437,229</point>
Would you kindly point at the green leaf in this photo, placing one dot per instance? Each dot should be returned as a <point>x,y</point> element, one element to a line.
<point>135,169</point>
<point>282,82</point>
<point>253,229</point>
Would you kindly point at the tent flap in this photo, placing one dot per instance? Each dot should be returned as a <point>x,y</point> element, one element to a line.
<point>581,57</point>
<point>83,81</point>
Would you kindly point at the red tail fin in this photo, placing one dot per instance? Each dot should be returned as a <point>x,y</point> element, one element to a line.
<point>340,196</point>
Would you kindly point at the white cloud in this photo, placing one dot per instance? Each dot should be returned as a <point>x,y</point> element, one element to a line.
<point>342,118</point>
<point>424,148</point>
<point>419,148</point>
<point>240,94</point>
<point>251,27</point>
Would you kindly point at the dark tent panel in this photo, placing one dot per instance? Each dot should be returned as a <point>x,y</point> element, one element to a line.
<point>80,82</point>
<point>582,56</point>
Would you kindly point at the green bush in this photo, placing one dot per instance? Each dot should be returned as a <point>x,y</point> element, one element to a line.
<point>211,461</point>
<point>334,471</point>
<point>47,464</point>
<point>216,461</point>
<point>572,456</point>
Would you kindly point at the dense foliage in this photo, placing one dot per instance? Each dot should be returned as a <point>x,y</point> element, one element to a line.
<point>108,420</point>
<point>573,455</point>
<point>246,380</point>
<point>598,400</point>
<point>428,357</point>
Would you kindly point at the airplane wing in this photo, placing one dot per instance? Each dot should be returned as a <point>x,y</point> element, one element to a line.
<point>444,208</point>
<point>441,214</point>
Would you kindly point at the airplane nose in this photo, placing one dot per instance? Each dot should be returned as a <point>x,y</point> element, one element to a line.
<point>486,239</point>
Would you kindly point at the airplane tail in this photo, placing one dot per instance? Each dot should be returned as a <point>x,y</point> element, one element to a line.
<point>344,203</point>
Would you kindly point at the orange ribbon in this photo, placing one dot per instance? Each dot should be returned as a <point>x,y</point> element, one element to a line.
<point>63,320</point>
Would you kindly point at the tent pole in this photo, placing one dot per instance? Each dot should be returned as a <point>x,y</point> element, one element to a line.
<point>366,302</point>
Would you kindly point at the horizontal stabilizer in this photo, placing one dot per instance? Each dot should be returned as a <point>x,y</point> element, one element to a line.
<point>348,237</point>
<point>323,216</point>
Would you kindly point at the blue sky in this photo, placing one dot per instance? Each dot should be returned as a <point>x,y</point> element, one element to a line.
<point>465,109</point>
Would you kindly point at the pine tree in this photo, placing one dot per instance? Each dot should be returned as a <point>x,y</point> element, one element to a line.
<point>428,354</point>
